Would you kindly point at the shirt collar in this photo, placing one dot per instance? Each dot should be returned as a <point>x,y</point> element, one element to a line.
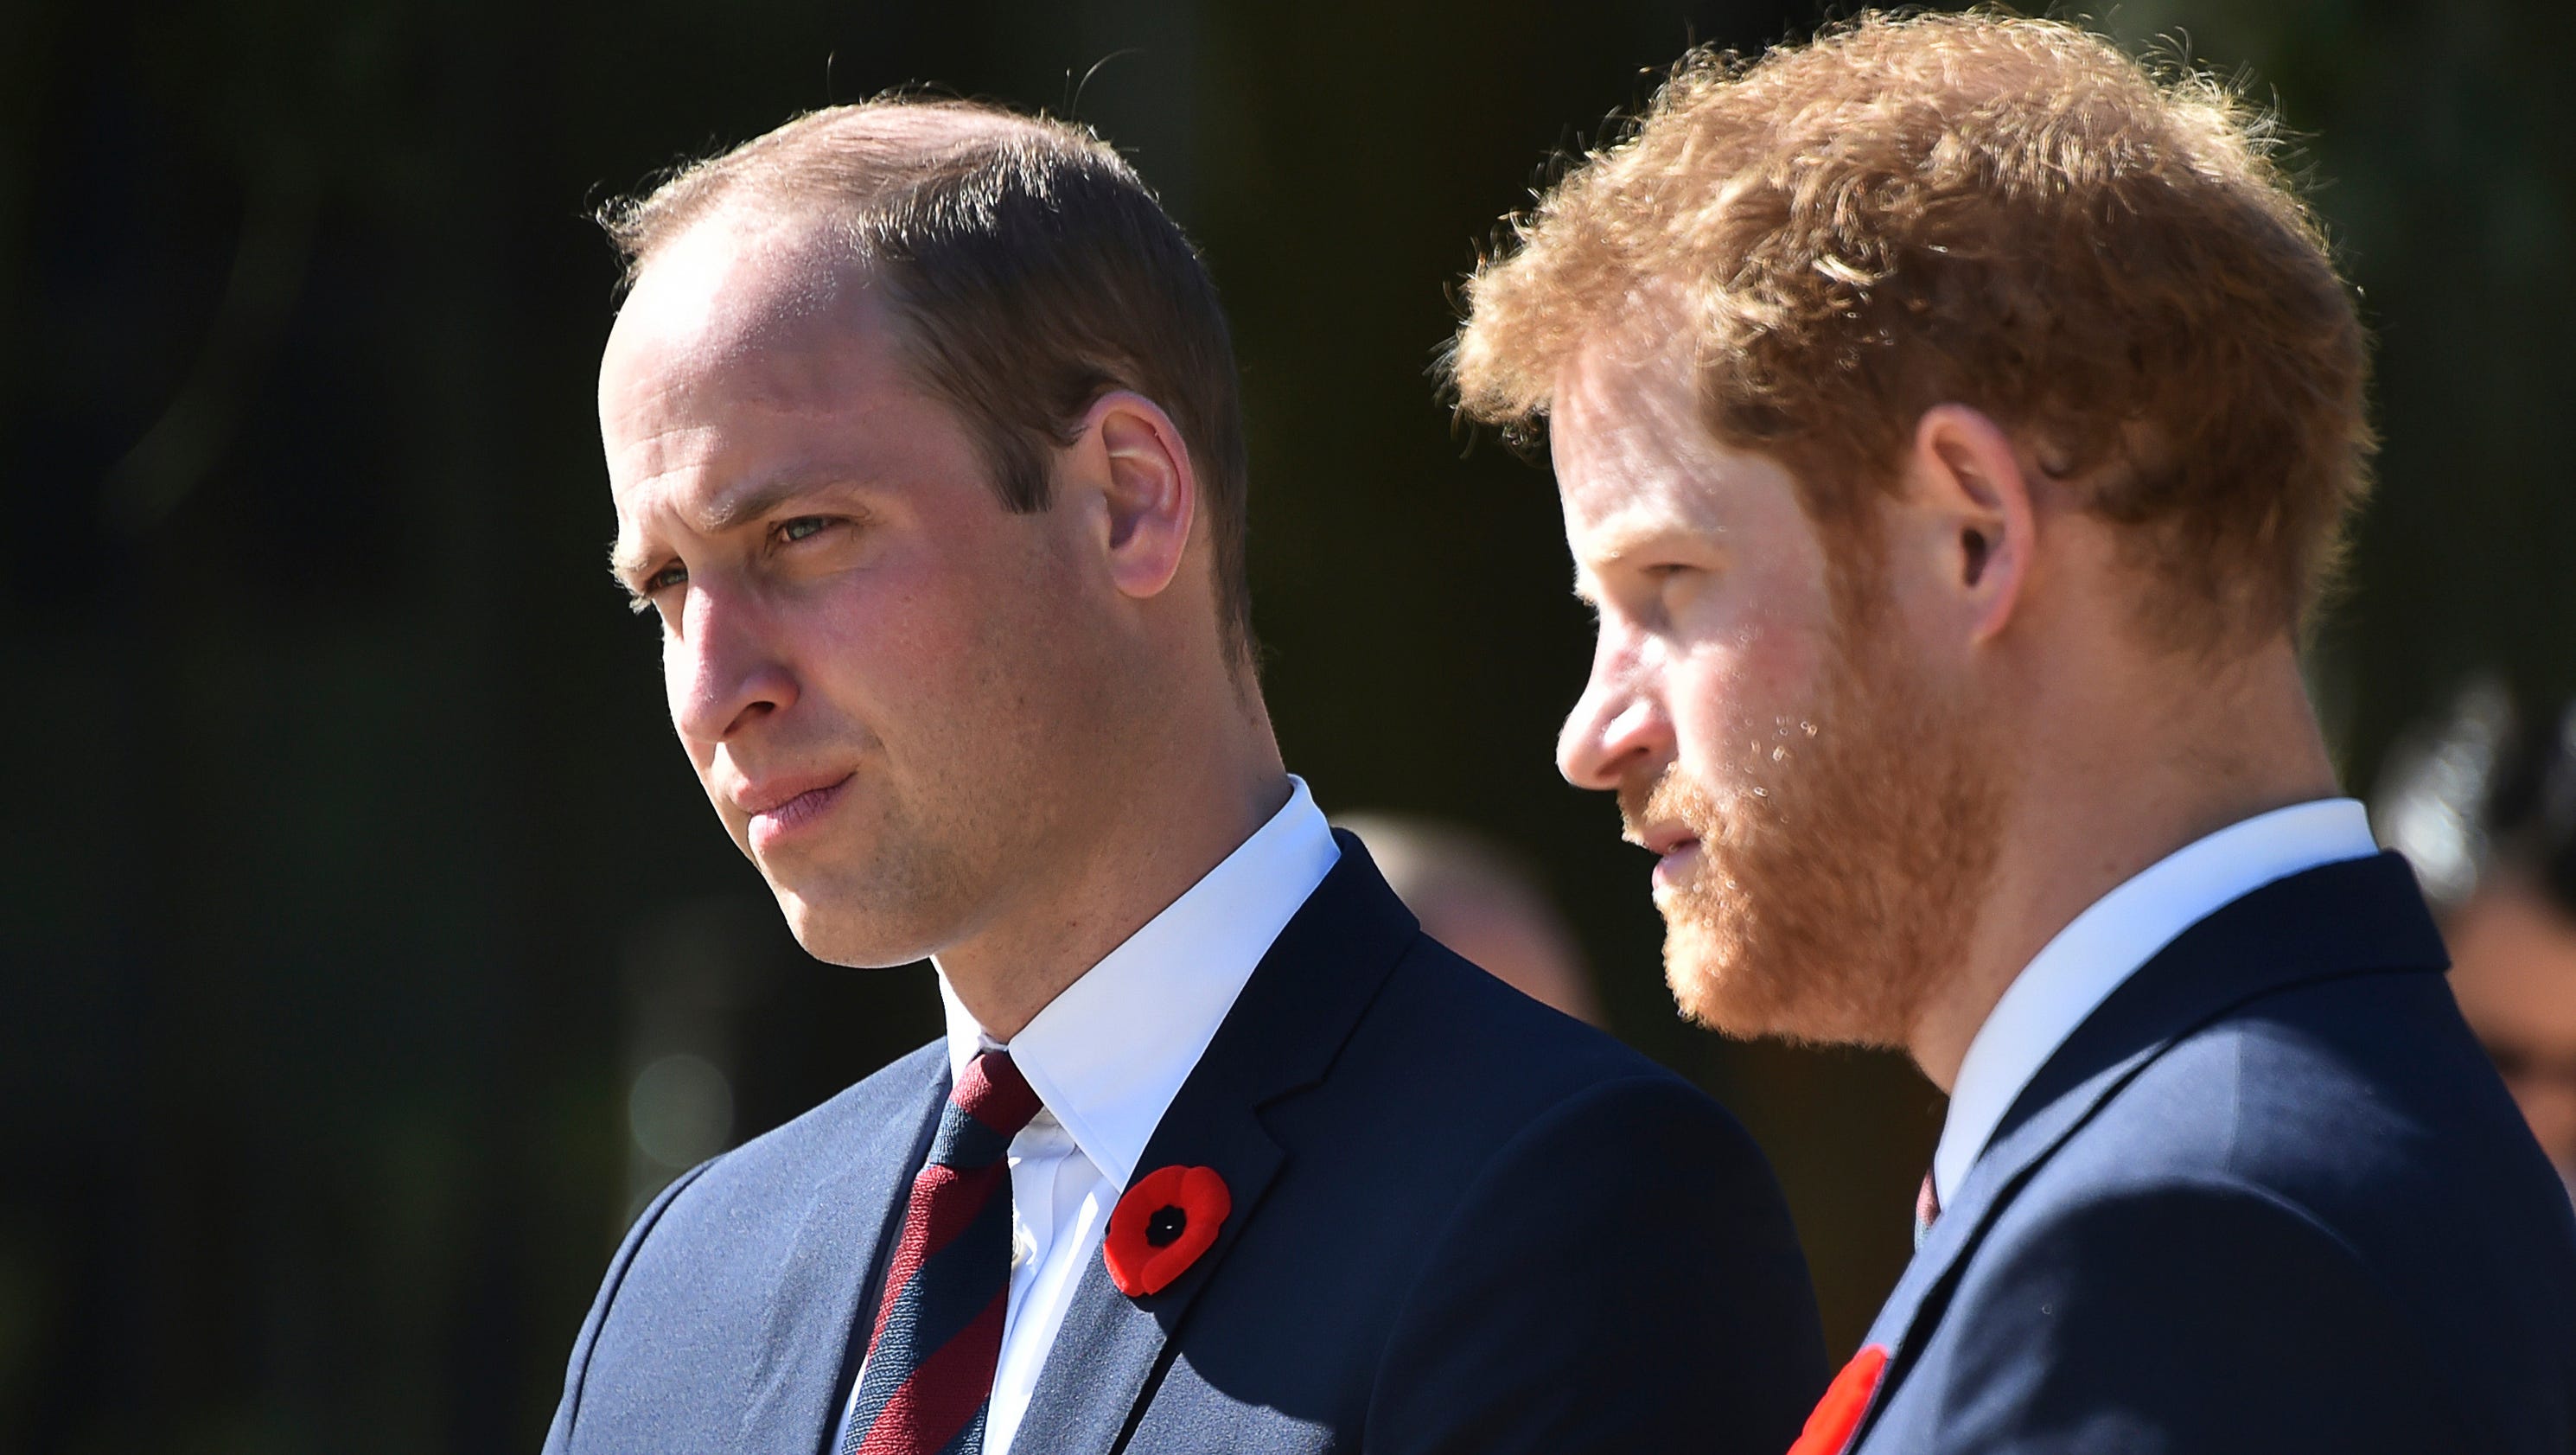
<point>2101,948</point>
<point>1109,1053</point>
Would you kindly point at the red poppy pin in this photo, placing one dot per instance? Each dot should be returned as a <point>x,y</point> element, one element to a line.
<point>1162,1226</point>
<point>1829,1429</point>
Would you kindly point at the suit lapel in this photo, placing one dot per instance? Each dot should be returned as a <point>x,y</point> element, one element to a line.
<point>2353,918</point>
<point>1110,1346</point>
<point>1281,1036</point>
<point>818,1312</point>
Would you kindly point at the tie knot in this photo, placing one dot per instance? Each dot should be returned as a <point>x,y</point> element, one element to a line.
<point>994,1093</point>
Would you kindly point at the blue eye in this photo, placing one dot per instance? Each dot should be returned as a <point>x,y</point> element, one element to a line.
<point>801,527</point>
<point>646,596</point>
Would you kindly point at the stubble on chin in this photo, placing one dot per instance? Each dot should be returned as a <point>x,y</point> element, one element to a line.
<point>890,891</point>
<point>1839,879</point>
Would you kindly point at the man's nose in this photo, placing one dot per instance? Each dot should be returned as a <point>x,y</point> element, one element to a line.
<point>1618,726</point>
<point>723,672</point>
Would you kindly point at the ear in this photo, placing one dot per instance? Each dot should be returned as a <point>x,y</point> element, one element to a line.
<point>1131,453</point>
<point>1968,482</point>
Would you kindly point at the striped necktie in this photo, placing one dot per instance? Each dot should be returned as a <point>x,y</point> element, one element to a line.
<point>929,1370</point>
<point>1927,1211</point>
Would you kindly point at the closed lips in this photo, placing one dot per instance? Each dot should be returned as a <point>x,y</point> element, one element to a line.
<point>775,794</point>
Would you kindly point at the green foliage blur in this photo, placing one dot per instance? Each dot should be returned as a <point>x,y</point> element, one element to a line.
<point>366,950</point>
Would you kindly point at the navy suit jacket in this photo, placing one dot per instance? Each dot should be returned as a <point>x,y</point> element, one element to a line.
<point>1461,1222</point>
<point>2270,1197</point>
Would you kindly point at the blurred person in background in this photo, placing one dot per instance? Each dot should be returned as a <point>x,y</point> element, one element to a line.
<point>2484,805</point>
<point>923,437</point>
<point>1472,896</point>
<point>1953,421</point>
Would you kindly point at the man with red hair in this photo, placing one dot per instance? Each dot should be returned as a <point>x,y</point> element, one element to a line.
<point>1954,423</point>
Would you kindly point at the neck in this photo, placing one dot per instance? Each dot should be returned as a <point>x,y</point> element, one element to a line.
<point>1193,796</point>
<point>2118,783</point>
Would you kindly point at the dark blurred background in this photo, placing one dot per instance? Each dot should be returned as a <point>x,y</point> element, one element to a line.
<point>366,949</point>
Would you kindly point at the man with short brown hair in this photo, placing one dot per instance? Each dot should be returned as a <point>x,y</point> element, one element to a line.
<point>923,438</point>
<point>1954,423</point>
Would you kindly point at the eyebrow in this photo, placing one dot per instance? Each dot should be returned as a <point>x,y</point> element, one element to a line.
<point>1626,539</point>
<point>626,562</point>
<point>624,565</point>
<point>1621,543</point>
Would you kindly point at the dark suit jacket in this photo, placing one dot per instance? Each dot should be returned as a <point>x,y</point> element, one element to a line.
<point>2269,1198</point>
<point>1462,1222</point>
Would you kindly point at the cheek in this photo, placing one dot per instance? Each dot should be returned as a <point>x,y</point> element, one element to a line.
<point>946,661</point>
<point>878,640</point>
<point>1732,697</point>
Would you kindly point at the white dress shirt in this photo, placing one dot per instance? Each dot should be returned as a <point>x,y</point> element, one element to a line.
<point>2101,948</point>
<point>1107,1056</point>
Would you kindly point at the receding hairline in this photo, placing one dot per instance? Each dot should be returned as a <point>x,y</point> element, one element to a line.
<point>790,190</point>
<point>799,171</point>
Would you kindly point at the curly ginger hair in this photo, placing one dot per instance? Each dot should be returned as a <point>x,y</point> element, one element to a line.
<point>2010,214</point>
